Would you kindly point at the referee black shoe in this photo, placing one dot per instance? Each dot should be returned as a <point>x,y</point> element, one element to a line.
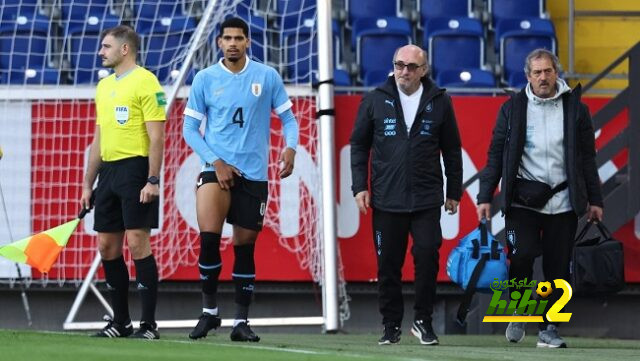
<point>206,322</point>
<point>424,332</point>
<point>390,335</point>
<point>114,329</point>
<point>242,332</point>
<point>147,331</point>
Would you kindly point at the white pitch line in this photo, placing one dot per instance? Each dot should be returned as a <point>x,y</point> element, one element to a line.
<point>266,348</point>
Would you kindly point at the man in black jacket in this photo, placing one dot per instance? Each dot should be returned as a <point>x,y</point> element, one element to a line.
<point>405,124</point>
<point>543,139</point>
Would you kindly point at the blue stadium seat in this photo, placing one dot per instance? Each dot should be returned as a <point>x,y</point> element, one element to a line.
<point>148,12</point>
<point>377,40</point>
<point>376,77</point>
<point>517,39</point>
<point>430,9</point>
<point>11,8</point>
<point>358,9</point>
<point>84,21</point>
<point>293,13</point>
<point>43,75</point>
<point>517,80</point>
<point>511,9</point>
<point>454,43</point>
<point>162,42</point>
<point>466,78</point>
<point>24,42</point>
<point>300,51</point>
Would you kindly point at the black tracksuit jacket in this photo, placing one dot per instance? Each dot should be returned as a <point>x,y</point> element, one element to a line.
<point>507,146</point>
<point>406,174</point>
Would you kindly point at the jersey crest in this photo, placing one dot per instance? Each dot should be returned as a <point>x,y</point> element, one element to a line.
<point>256,89</point>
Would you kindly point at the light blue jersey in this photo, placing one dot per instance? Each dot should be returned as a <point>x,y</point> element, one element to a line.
<point>237,109</point>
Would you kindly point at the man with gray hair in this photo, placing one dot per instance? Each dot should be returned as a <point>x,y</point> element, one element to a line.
<point>543,149</point>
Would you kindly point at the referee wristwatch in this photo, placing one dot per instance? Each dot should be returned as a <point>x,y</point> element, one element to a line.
<point>153,180</point>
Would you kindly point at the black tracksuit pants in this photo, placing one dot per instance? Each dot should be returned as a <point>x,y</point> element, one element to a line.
<point>390,236</point>
<point>530,234</point>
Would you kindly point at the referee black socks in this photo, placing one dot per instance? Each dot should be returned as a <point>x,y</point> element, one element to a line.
<point>147,284</point>
<point>210,265</point>
<point>117,277</point>
<point>244,276</point>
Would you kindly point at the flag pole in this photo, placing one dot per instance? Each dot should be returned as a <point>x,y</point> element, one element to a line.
<point>23,290</point>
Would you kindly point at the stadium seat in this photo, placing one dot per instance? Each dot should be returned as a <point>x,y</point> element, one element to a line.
<point>340,77</point>
<point>11,9</point>
<point>292,13</point>
<point>376,77</point>
<point>454,44</point>
<point>517,80</point>
<point>376,42</point>
<point>148,12</point>
<point>430,9</point>
<point>358,9</point>
<point>43,75</point>
<point>517,39</point>
<point>299,49</point>
<point>163,42</point>
<point>466,78</point>
<point>84,21</point>
<point>510,9</point>
<point>24,43</point>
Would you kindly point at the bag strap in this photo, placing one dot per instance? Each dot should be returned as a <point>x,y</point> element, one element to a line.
<point>495,253</point>
<point>583,233</point>
<point>604,231</point>
<point>475,254</point>
<point>483,233</point>
<point>463,309</point>
<point>560,187</point>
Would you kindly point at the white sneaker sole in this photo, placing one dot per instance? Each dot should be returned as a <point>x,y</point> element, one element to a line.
<point>417,334</point>
<point>546,345</point>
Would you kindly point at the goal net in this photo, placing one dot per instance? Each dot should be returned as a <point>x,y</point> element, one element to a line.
<point>49,68</point>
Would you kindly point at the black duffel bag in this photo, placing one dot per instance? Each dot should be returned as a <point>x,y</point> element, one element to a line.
<point>597,265</point>
<point>535,194</point>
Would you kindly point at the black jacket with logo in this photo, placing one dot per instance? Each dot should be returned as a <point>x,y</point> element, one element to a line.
<point>406,174</point>
<point>507,146</point>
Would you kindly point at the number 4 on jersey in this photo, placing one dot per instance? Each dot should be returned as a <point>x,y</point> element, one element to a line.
<point>238,118</point>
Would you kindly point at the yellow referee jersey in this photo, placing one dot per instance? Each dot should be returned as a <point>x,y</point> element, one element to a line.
<point>123,105</point>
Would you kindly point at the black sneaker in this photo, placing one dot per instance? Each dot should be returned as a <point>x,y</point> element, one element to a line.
<point>391,335</point>
<point>242,332</point>
<point>206,322</point>
<point>114,329</point>
<point>147,331</point>
<point>424,332</point>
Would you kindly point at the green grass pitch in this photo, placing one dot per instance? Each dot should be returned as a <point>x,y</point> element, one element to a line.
<point>51,346</point>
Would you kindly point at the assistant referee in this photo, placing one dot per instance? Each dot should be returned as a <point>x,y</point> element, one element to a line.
<point>127,154</point>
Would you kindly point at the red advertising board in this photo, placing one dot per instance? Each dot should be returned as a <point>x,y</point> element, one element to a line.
<point>62,132</point>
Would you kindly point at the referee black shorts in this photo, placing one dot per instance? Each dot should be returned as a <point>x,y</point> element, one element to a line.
<point>248,200</point>
<point>117,204</point>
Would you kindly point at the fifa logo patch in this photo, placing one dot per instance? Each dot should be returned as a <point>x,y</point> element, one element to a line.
<point>256,89</point>
<point>122,114</point>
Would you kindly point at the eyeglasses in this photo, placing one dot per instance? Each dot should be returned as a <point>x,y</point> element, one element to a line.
<point>411,66</point>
